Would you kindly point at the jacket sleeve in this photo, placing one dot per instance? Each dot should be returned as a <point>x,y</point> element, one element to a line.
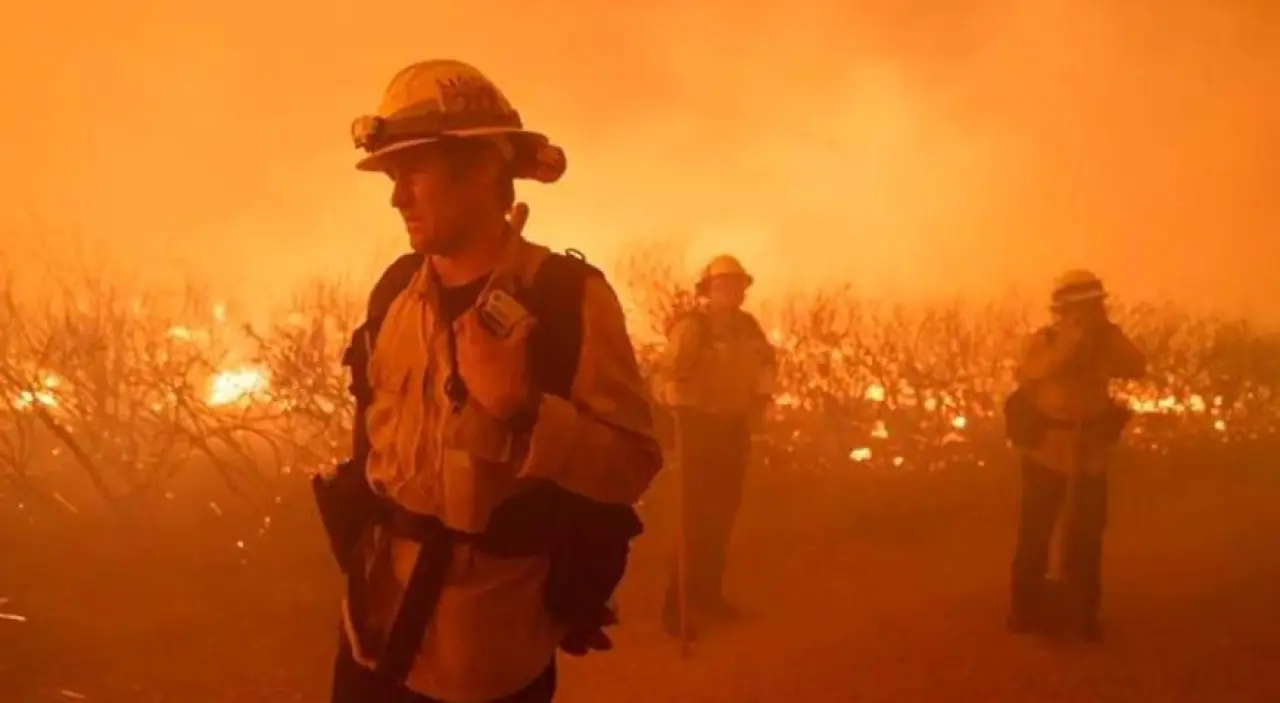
<point>1046,355</point>
<point>601,444</point>
<point>1125,360</point>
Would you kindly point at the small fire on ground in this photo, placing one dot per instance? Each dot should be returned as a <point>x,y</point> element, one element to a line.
<point>236,385</point>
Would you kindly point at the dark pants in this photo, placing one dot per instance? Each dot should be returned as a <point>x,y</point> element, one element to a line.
<point>713,465</point>
<point>1043,493</point>
<point>353,683</point>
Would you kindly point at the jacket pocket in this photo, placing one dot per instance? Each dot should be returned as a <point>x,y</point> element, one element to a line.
<point>387,408</point>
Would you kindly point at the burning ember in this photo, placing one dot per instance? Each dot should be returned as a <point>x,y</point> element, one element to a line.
<point>43,395</point>
<point>236,386</point>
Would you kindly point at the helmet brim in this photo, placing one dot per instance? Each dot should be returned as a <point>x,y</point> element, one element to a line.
<point>702,284</point>
<point>379,160</point>
<point>1078,299</point>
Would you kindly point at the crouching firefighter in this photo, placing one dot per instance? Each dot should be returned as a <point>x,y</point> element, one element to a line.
<point>502,429</point>
<point>720,373</point>
<point>1064,422</point>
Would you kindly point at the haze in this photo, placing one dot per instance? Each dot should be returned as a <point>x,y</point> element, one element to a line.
<point>947,148</point>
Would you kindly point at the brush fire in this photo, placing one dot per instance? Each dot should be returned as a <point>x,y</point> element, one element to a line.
<point>132,396</point>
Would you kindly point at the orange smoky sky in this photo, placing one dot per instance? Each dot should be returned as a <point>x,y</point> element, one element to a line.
<point>918,149</point>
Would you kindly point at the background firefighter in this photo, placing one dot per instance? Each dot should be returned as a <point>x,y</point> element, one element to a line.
<point>719,379</point>
<point>1064,422</point>
<point>485,518</point>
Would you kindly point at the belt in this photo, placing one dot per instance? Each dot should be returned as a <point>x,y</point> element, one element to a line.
<point>421,594</point>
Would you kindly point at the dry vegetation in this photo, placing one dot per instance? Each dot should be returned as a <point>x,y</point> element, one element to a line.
<point>897,388</point>
<point>166,414</point>
<point>126,393</point>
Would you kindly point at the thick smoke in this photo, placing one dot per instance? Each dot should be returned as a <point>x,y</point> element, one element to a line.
<point>953,148</point>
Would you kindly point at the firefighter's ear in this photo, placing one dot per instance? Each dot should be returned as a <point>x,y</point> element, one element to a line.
<point>517,218</point>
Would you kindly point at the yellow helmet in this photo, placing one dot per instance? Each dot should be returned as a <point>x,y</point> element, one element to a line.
<point>442,98</point>
<point>723,265</point>
<point>1077,286</point>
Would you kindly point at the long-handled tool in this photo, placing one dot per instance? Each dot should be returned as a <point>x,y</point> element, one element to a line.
<point>682,542</point>
<point>1060,594</point>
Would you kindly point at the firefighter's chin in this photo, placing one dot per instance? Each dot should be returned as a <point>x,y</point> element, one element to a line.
<point>425,239</point>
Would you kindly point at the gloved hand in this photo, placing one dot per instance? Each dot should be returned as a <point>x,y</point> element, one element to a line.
<point>1093,342</point>
<point>580,641</point>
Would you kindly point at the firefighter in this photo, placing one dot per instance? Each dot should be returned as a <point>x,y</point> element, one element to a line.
<point>1065,423</point>
<point>720,371</point>
<point>496,446</point>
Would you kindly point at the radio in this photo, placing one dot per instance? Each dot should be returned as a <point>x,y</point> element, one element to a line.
<point>500,313</point>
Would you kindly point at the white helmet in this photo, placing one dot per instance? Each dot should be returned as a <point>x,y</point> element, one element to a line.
<point>442,98</point>
<point>1077,286</point>
<point>723,265</point>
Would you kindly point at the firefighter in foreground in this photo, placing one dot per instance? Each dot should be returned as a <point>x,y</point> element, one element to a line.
<point>1064,422</point>
<point>503,431</point>
<point>720,377</point>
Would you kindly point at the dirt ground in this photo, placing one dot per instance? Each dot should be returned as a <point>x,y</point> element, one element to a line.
<point>888,590</point>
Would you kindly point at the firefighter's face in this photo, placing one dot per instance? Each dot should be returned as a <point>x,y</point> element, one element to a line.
<point>1087,313</point>
<point>441,197</point>
<point>727,292</point>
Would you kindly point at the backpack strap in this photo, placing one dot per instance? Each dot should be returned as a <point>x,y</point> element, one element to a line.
<point>389,286</point>
<point>555,299</point>
<point>356,356</point>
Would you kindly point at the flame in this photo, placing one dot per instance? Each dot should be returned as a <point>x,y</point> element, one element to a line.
<point>236,385</point>
<point>43,395</point>
<point>787,400</point>
<point>1193,403</point>
<point>860,454</point>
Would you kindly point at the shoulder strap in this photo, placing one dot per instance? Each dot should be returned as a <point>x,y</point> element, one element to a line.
<point>389,286</point>
<point>356,356</point>
<point>555,298</point>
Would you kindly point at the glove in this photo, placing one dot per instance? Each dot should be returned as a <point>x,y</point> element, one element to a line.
<point>579,642</point>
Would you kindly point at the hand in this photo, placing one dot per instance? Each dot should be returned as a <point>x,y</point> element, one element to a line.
<point>495,370</point>
<point>1093,342</point>
<point>578,642</point>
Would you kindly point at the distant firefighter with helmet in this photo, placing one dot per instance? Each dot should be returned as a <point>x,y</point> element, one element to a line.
<point>1064,422</point>
<point>503,432</point>
<point>720,371</point>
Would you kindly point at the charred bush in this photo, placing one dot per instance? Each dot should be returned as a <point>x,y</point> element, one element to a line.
<point>124,397</point>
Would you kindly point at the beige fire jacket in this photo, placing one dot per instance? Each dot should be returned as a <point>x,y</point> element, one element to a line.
<point>720,364</point>
<point>490,634</point>
<point>1074,395</point>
